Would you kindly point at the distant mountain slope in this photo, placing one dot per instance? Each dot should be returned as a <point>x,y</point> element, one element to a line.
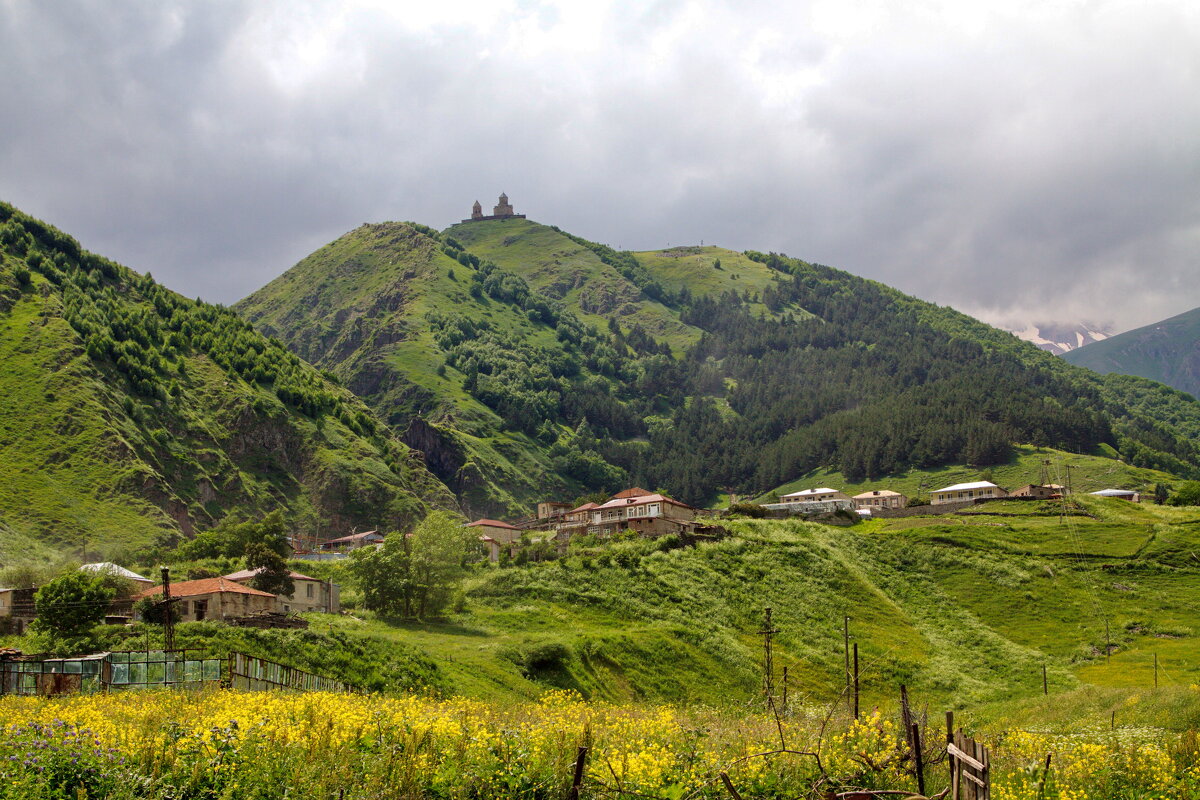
<point>1059,337</point>
<point>130,414</point>
<point>528,363</point>
<point>1167,351</point>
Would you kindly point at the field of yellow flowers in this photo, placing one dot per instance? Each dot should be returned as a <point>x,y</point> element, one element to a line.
<point>226,744</point>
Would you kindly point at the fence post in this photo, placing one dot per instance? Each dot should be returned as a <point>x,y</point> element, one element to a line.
<point>577,779</point>
<point>949,757</point>
<point>916,741</point>
<point>856,680</point>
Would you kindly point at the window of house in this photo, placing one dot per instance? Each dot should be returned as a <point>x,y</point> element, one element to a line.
<point>310,589</point>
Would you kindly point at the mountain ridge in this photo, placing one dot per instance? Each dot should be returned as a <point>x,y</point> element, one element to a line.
<point>133,416</point>
<point>1167,351</point>
<point>690,369</point>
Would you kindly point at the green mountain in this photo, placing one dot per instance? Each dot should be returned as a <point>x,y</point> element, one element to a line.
<point>527,363</point>
<point>1167,351</point>
<point>130,415</point>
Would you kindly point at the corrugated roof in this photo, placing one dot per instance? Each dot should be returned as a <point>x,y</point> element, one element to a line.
<point>492,523</point>
<point>205,586</point>
<point>960,487</point>
<point>114,569</point>
<point>246,574</point>
<point>354,537</point>
<point>1114,492</point>
<point>807,492</point>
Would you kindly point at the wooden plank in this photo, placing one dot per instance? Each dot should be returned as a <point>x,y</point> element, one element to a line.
<point>973,779</point>
<point>961,755</point>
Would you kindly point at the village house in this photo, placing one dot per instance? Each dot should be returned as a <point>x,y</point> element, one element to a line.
<point>551,511</point>
<point>813,501</point>
<point>814,496</point>
<point>1120,494</point>
<point>644,512</point>
<point>575,521</point>
<point>344,544</point>
<point>17,609</point>
<point>496,536</point>
<point>964,492</point>
<point>311,594</point>
<point>216,598</point>
<point>1040,491</point>
<point>879,498</point>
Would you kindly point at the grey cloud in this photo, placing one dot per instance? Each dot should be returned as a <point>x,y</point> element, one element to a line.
<point>1034,169</point>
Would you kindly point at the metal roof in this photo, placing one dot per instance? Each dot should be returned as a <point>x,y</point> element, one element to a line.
<point>114,569</point>
<point>960,487</point>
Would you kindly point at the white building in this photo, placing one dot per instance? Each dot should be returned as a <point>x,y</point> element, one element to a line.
<point>879,498</point>
<point>1120,494</point>
<point>964,492</point>
<point>813,501</point>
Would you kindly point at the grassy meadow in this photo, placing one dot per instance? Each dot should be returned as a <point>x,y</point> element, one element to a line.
<point>648,653</point>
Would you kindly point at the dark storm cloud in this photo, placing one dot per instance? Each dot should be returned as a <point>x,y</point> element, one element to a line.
<point>1025,162</point>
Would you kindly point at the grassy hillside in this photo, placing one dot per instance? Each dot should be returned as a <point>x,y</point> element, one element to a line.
<point>383,307</point>
<point>1167,351</point>
<point>130,415</point>
<point>963,608</point>
<point>528,363</point>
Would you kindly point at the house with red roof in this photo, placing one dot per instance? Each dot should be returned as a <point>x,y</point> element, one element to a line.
<point>216,598</point>
<point>311,594</point>
<point>636,509</point>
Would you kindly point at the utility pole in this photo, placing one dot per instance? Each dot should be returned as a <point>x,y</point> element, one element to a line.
<point>168,612</point>
<point>1070,490</point>
<point>846,653</point>
<point>767,633</point>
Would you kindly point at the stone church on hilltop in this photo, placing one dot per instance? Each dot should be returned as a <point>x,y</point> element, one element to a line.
<point>502,210</point>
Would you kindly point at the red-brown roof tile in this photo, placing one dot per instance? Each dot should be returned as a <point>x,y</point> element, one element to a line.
<point>205,586</point>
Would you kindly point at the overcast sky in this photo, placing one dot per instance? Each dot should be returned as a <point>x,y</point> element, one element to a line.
<point>1023,160</point>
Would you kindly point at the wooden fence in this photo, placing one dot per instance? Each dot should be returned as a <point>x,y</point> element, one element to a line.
<point>970,768</point>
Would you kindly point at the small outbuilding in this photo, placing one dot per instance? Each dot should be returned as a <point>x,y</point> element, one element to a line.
<point>1120,494</point>
<point>1040,491</point>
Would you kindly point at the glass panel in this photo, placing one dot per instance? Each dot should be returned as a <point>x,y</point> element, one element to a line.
<point>137,673</point>
<point>73,667</point>
<point>120,673</point>
<point>212,670</point>
<point>156,672</point>
<point>118,658</point>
